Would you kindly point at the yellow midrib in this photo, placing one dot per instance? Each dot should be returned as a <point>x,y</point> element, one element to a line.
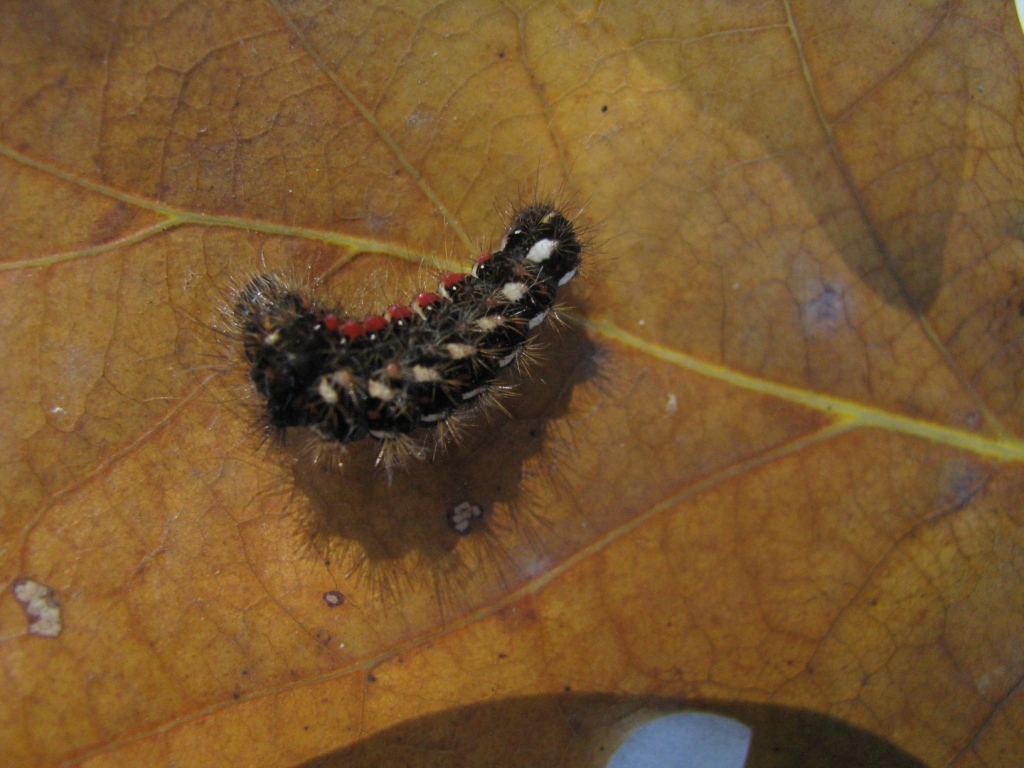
<point>175,217</point>
<point>847,412</point>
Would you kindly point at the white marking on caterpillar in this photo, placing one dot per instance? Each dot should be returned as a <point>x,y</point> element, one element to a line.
<point>460,351</point>
<point>538,319</point>
<point>541,251</point>
<point>488,323</point>
<point>567,277</point>
<point>327,392</point>
<point>475,393</point>
<point>508,358</point>
<point>423,374</point>
<point>380,390</point>
<point>514,291</point>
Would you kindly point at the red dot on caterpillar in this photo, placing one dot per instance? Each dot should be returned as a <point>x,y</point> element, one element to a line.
<point>416,368</point>
<point>397,312</point>
<point>374,324</point>
<point>479,267</point>
<point>450,284</point>
<point>424,301</point>
<point>452,279</point>
<point>352,329</point>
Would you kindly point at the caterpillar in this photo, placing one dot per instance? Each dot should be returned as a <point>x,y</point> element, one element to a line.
<point>415,367</point>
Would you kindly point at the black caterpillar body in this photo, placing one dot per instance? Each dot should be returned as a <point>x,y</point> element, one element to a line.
<point>414,366</point>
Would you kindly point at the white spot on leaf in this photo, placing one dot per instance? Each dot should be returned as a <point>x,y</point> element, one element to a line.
<point>41,606</point>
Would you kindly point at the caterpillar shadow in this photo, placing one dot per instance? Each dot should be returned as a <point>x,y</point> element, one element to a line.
<point>396,531</point>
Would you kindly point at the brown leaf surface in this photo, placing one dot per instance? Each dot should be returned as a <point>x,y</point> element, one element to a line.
<point>775,469</point>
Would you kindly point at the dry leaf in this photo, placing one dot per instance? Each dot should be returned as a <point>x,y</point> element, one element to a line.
<point>771,468</point>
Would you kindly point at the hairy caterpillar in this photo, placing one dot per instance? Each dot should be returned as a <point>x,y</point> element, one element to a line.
<point>414,367</point>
